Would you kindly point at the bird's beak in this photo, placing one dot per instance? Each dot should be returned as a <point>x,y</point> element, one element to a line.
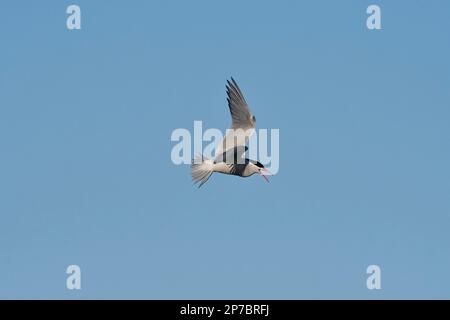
<point>267,172</point>
<point>265,178</point>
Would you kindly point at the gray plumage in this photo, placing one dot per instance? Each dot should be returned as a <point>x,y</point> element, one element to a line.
<point>240,112</point>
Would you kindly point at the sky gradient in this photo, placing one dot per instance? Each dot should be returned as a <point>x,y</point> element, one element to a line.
<point>85,170</point>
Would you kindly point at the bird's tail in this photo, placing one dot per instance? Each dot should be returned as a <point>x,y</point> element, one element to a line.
<point>202,169</point>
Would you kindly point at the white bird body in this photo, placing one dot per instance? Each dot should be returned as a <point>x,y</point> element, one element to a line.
<point>229,154</point>
<point>221,167</point>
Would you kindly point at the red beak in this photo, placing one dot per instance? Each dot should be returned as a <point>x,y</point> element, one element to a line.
<point>265,177</point>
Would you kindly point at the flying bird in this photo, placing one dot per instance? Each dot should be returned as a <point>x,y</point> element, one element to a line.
<point>229,154</point>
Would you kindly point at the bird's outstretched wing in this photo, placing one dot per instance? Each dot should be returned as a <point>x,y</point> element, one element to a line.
<point>240,112</point>
<point>243,121</point>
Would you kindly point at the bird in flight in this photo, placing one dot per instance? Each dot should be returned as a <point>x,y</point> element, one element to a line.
<point>229,154</point>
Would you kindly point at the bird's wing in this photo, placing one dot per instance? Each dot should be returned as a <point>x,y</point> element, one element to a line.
<point>243,122</point>
<point>232,155</point>
<point>240,112</point>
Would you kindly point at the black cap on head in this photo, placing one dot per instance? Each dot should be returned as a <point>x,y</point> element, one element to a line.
<point>259,164</point>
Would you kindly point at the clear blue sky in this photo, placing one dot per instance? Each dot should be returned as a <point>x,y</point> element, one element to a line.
<point>85,170</point>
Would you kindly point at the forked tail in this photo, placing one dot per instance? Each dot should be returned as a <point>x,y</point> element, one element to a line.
<point>202,169</point>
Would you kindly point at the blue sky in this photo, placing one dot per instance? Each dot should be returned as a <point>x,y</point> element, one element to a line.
<point>85,170</point>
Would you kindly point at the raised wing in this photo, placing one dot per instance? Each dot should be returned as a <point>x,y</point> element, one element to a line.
<point>243,122</point>
<point>240,113</point>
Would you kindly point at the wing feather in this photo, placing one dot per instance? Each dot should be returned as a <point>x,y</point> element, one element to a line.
<point>242,120</point>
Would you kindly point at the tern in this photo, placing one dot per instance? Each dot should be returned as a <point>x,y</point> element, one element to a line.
<point>229,154</point>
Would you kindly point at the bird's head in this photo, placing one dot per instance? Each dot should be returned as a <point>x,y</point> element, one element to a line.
<point>258,167</point>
